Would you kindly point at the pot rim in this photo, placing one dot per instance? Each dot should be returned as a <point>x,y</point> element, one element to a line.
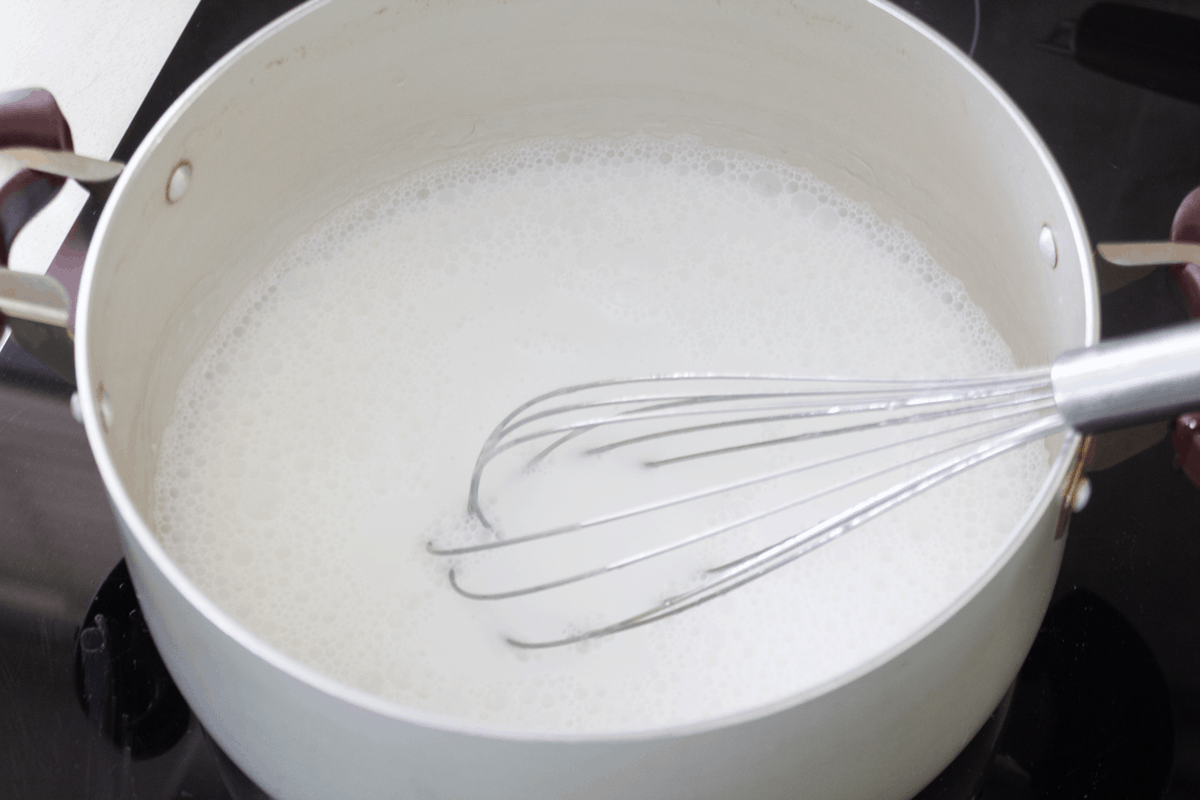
<point>141,533</point>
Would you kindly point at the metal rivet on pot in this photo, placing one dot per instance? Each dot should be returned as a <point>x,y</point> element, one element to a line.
<point>104,405</point>
<point>1048,247</point>
<point>76,410</point>
<point>1081,496</point>
<point>181,179</point>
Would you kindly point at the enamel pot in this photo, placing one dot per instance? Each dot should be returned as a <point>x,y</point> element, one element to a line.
<point>336,97</point>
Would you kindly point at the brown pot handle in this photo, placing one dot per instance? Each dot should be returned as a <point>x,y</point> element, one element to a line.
<point>28,118</point>
<point>38,157</point>
<point>1186,228</point>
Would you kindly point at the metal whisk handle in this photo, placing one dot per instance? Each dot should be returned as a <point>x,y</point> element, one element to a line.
<point>1130,380</point>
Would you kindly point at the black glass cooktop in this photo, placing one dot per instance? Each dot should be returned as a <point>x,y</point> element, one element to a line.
<point>1107,704</point>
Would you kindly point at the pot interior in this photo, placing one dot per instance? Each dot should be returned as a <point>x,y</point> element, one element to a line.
<point>296,123</point>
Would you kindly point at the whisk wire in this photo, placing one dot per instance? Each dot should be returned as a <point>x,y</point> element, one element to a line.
<point>958,391</point>
<point>888,403</point>
<point>726,527</point>
<point>804,542</point>
<point>1043,400</point>
<point>1034,403</point>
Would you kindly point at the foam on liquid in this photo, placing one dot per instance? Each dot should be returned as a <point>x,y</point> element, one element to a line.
<point>331,423</point>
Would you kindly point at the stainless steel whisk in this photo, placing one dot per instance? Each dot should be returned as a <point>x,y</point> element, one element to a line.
<point>1111,385</point>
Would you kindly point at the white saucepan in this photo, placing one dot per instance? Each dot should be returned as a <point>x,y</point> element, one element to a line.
<point>337,97</point>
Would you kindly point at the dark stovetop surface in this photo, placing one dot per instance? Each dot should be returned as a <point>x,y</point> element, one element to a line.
<point>1107,706</point>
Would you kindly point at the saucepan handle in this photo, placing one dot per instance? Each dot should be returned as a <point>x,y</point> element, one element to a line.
<point>1183,253</point>
<point>29,118</point>
<point>1186,228</point>
<point>36,158</point>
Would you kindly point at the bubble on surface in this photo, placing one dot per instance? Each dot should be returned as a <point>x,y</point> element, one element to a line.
<point>328,429</point>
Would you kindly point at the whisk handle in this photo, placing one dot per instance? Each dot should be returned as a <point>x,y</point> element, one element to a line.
<point>1125,381</point>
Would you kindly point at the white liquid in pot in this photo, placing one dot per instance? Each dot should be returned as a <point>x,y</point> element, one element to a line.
<point>330,425</point>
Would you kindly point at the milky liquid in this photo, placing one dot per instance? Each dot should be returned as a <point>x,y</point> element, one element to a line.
<point>328,429</point>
